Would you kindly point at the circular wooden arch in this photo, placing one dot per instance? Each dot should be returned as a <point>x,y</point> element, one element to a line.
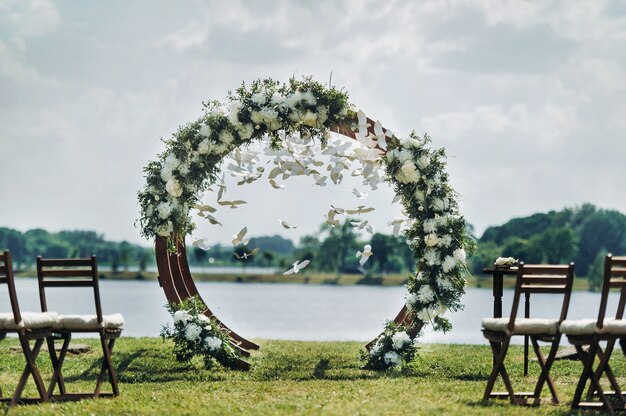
<point>177,282</point>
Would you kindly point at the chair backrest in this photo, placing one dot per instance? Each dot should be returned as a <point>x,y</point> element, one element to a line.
<point>543,278</point>
<point>6,277</point>
<point>614,278</point>
<point>68,273</point>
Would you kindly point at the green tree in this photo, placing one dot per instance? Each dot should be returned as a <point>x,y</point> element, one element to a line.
<point>559,245</point>
<point>596,272</point>
<point>339,247</point>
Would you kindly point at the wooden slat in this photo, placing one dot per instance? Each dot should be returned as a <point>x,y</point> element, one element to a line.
<point>618,272</point>
<point>539,279</point>
<point>617,283</point>
<point>556,270</point>
<point>66,272</point>
<point>3,269</point>
<point>65,262</point>
<point>69,283</point>
<point>543,289</point>
<point>4,280</point>
<point>619,261</point>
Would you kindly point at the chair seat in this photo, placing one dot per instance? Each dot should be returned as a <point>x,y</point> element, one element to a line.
<point>30,320</point>
<point>526,326</point>
<point>588,327</point>
<point>90,322</point>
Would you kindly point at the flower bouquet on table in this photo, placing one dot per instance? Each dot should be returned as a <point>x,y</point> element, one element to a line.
<point>505,262</point>
<point>193,333</point>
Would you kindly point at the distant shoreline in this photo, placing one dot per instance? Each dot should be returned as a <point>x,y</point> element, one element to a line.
<point>396,279</point>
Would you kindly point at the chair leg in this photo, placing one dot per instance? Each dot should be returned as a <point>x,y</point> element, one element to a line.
<point>604,368</point>
<point>499,350</point>
<point>30,368</point>
<point>107,366</point>
<point>588,373</point>
<point>57,364</point>
<point>546,365</point>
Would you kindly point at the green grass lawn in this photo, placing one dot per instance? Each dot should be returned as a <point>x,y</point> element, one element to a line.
<point>292,378</point>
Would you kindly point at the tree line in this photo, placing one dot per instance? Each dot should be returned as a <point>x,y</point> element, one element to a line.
<point>583,234</point>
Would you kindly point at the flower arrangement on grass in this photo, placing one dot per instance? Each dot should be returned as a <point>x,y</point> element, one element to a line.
<point>195,334</point>
<point>299,112</point>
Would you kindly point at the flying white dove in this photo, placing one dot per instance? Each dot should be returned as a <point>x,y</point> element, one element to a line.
<point>213,220</point>
<point>286,225</point>
<point>232,204</point>
<point>245,255</point>
<point>240,238</point>
<point>201,243</point>
<point>275,185</point>
<point>359,194</point>
<point>204,208</point>
<point>365,255</point>
<point>297,266</point>
<point>363,225</point>
<point>397,223</point>
<point>360,210</point>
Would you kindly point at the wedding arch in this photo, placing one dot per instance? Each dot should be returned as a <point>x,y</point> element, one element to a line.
<point>286,119</point>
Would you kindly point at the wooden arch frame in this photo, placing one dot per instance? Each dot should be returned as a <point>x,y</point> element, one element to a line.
<point>177,282</point>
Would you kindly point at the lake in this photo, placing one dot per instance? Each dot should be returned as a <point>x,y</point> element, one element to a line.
<point>290,311</point>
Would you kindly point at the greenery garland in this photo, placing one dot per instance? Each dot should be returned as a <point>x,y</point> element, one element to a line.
<point>436,233</point>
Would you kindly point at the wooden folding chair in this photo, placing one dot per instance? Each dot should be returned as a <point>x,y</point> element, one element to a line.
<point>552,279</point>
<point>72,273</point>
<point>594,333</point>
<point>29,327</point>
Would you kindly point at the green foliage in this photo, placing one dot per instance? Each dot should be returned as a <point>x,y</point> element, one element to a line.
<point>596,272</point>
<point>577,234</point>
<point>25,247</point>
<point>195,334</point>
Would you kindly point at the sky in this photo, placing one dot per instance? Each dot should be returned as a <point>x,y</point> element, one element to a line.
<point>528,98</point>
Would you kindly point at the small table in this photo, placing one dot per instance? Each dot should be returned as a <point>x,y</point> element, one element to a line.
<point>498,286</point>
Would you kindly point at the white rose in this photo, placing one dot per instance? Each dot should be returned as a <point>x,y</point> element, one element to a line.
<point>448,264</point>
<point>181,315</point>
<point>420,195</point>
<point>173,188</point>
<point>192,332</point>
<point>164,209</point>
<point>309,118</point>
<point>392,358</point>
<point>459,255</point>
<point>430,226</point>
<point>431,257</point>
<point>425,294</point>
<point>203,147</point>
<point>226,137</point>
<point>245,131</point>
<point>258,98</point>
<point>213,343</point>
<point>431,240</point>
<point>309,97</point>
<point>423,162</point>
<point>441,204</point>
<point>411,299</point>
<point>399,339</point>
<point>205,130</point>
<point>408,173</point>
<point>405,155</point>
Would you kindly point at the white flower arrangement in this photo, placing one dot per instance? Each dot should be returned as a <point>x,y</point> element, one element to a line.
<point>196,334</point>
<point>436,232</point>
<point>505,262</point>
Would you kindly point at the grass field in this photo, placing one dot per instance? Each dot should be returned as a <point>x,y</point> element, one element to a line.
<point>293,378</point>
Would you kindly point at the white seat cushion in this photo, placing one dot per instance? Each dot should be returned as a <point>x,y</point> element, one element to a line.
<point>526,326</point>
<point>579,327</point>
<point>30,320</point>
<point>90,322</point>
<point>588,327</point>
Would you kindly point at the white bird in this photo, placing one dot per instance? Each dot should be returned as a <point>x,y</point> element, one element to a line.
<point>232,204</point>
<point>363,225</point>
<point>201,243</point>
<point>365,254</point>
<point>330,219</point>
<point>286,225</point>
<point>359,194</point>
<point>213,220</point>
<point>204,208</point>
<point>297,266</point>
<point>275,185</point>
<point>397,223</point>
<point>360,210</point>
<point>246,255</point>
<point>240,238</point>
